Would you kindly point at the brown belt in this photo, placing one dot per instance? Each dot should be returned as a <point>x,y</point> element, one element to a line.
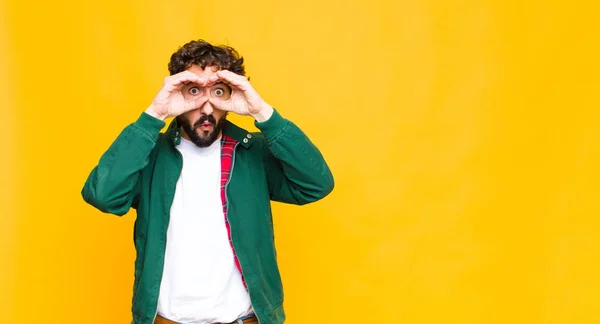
<point>161,320</point>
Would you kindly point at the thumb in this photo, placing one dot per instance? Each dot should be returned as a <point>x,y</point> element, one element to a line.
<point>219,104</point>
<point>197,103</point>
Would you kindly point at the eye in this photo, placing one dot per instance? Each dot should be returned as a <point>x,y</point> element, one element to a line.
<point>219,92</point>
<point>194,90</point>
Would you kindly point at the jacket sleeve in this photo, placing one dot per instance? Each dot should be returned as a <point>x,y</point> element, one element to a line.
<point>296,170</point>
<point>113,185</point>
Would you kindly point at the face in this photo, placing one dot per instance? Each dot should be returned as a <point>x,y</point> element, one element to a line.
<point>203,126</point>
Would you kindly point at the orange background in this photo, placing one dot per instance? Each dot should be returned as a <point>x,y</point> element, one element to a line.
<point>463,136</point>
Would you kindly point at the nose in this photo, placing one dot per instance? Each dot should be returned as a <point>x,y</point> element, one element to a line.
<point>207,108</point>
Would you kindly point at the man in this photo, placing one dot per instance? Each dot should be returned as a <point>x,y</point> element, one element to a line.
<point>202,191</point>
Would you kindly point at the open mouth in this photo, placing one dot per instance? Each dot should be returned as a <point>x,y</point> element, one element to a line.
<point>205,126</point>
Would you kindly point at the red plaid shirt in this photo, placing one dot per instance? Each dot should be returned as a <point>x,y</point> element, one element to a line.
<point>227,147</point>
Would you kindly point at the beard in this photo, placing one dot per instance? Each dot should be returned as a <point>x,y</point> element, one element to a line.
<point>199,137</point>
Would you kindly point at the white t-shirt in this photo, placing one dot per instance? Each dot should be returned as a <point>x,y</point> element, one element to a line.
<point>201,283</point>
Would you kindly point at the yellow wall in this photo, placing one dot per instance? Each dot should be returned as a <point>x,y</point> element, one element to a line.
<point>463,136</point>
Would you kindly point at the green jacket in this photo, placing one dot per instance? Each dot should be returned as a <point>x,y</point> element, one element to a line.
<point>140,171</point>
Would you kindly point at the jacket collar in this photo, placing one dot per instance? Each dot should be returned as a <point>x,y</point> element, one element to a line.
<point>239,134</point>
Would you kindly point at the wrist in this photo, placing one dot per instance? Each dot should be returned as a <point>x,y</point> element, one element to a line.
<point>264,114</point>
<point>152,112</point>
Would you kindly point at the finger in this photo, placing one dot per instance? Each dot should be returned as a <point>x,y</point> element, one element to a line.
<point>231,76</point>
<point>195,104</point>
<point>189,78</point>
<point>177,80</point>
<point>236,80</point>
<point>213,78</point>
<point>183,74</point>
<point>178,76</point>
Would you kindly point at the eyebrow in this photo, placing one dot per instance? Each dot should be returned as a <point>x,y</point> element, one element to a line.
<point>223,83</point>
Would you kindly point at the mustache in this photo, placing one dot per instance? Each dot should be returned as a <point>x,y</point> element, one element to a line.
<point>205,118</point>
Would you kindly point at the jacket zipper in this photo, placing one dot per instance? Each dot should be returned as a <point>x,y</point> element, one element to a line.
<point>227,216</point>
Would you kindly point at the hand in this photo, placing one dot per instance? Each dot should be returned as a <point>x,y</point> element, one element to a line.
<point>170,102</point>
<point>244,99</point>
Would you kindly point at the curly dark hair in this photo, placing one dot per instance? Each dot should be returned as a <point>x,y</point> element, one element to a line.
<point>202,53</point>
